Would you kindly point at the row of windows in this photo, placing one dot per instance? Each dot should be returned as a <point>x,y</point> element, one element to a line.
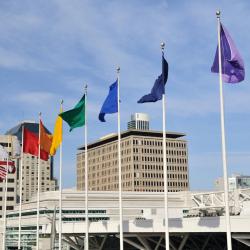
<point>160,159</point>
<point>159,175</point>
<point>7,208</point>
<point>159,151</point>
<point>158,143</point>
<point>160,167</point>
<point>108,149</point>
<point>77,211</point>
<point>9,198</point>
<point>160,184</point>
<point>9,189</point>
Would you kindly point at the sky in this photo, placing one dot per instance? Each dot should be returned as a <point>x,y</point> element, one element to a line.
<point>49,50</point>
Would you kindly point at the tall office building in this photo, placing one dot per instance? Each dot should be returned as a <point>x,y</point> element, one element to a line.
<point>142,162</point>
<point>139,121</point>
<point>30,166</point>
<point>9,142</point>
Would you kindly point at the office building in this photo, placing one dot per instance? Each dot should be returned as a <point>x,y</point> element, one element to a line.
<point>139,121</point>
<point>30,166</point>
<point>142,162</point>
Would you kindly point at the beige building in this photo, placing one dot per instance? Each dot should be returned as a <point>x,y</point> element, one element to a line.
<point>142,162</point>
<point>30,167</point>
<point>8,143</point>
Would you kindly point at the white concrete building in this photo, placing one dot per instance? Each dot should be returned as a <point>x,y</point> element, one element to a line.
<point>196,220</point>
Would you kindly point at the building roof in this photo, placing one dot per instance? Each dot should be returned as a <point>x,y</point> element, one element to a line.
<point>30,125</point>
<point>132,132</point>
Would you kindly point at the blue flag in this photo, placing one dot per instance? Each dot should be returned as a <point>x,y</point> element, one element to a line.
<point>110,104</point>
<point>233,70</point>
<point>159,86</point>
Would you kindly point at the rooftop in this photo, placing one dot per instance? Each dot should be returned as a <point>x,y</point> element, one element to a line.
<point>132,132</point>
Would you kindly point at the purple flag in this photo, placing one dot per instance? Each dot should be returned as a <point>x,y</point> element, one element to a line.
<point>232,64</point>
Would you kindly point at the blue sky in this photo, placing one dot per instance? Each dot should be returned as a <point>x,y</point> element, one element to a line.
<point>50,49</point>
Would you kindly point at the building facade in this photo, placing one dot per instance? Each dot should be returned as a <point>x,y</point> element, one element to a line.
<point>8,143</point>
<point>30,166</point>
<point>142,162</point>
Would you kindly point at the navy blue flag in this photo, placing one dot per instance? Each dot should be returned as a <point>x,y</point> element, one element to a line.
<point>110,104</point>
<point>159,86</point>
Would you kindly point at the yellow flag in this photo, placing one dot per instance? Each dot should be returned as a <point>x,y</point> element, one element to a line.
<point>57,136</point>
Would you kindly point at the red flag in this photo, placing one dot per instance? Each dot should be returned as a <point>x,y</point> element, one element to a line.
<point>30,144</point>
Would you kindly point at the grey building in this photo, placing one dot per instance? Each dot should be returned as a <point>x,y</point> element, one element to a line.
<point>30,166</point>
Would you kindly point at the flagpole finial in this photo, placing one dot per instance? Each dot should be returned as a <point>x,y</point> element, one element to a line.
<point>218,13</point>
<point>118,69</point>
<point>162,46</point>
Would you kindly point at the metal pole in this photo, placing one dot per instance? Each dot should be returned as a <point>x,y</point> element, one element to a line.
<point>86,175</point>
<point>20,193</point>
<point>60,191</point>
<point>5,199</point>
<point>38,185</point>
<point>119,159</point>
<point>165,163</point>
<point>223,141</point>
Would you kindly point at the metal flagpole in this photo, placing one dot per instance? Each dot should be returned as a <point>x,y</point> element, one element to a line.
<point>38,185</point>
<point>223,141</point>
<point>5,199</point>
<point>165,174</point>
<point>20,193</point>
<point>86,175</point>
<point>60,198</point>
<point>119,159</point>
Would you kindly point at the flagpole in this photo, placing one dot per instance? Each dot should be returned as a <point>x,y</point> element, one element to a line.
<point>5,199</point>
<point>20,193</point>
<point>119,159</point>
<point>223,141</point>
<point>60,191</point>
<point>165,162</point>
<point>86,174</point>
<point>38,185</point>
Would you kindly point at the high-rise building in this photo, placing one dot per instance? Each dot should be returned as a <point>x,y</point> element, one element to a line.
<point>8,143</point>
<point>142,162</point>
<point>30,166</point>
<point>139,121</point>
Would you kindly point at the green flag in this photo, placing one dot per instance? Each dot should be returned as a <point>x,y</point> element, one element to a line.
<point>75,117</point>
